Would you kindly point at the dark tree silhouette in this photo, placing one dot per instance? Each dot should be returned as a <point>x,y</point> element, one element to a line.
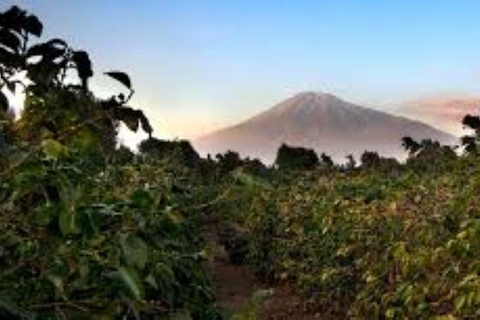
<point>228,161</point>
<point>471,143</point>
<point>327,161</point>
<point>296,158</point>
<point>180,151</point>
<point>351,162</point>
<point>410,145</point>
<point>372,160</point>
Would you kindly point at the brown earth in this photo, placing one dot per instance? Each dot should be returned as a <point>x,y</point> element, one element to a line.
<point>235,287</point>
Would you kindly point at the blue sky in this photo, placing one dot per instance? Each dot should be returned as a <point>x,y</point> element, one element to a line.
<point>200,64</point>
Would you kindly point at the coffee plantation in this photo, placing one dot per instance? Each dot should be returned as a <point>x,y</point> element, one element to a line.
<point>92,230</point>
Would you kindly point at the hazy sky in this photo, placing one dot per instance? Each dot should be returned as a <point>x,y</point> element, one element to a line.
<point>200,64</point>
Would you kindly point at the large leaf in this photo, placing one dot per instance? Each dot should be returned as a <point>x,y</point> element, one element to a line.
<point>128,116</point>
<point>132,118</point>
<point>10,40</point>
<point>13,19</point>
<point>121,77</point>
<point>135,250</point>
<point>146,125</point>
<point>43,72</point>
<point>49,50</point>
<point>33,25</point>
<point>84,66</point>
<point>8,58</point>
<point>131,282</point>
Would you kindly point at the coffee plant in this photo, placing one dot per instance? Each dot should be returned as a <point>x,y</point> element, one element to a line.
<point>83,233</point>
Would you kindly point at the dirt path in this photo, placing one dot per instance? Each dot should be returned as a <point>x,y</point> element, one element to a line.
<point>236,288</point>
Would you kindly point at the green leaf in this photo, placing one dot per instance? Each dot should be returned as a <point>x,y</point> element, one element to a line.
<point>460,302</point>
<point>142,199</point>
<point>150,279</point>
<point>89,221</point>
<point>67,221</point>
<point>57,282</point>
<point>135,250</point>
<point>44,215</point>
<point>131,282</point>
<point>121,77</point>
<point>53,149</point>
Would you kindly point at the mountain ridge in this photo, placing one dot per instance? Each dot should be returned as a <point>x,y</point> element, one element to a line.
<point>320,121</point>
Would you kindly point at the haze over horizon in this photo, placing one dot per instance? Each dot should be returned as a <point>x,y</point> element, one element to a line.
<point>197,67</point>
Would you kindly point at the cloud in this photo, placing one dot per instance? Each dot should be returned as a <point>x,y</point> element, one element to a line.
<point>445,113</point>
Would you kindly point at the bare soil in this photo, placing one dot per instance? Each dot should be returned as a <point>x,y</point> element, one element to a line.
<point>236,285</point>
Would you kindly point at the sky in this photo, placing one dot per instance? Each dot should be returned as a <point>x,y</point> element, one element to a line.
<point>198,65</point>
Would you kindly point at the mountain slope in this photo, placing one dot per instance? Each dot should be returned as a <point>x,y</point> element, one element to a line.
<point>322,122</point>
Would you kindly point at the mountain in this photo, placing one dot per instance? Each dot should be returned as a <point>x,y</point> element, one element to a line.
<point>322,122</point>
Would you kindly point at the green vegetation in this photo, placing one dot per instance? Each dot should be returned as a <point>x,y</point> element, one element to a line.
<point>89,229</point>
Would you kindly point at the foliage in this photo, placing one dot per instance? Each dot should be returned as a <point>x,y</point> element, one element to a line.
<point>327,161</point>
<point>91,230</point>
<point>291,158</point>
<point>87,230</point>
<point>471,142</point>
<point>181,151</point>
<point>367,244</point>
<point>373,161</point>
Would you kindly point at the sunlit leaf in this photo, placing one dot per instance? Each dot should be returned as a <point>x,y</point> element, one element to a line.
<point>53,149</point>
<point>131,281</point>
